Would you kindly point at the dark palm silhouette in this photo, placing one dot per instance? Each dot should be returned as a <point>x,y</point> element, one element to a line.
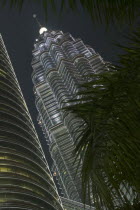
<point>108,11</point>
<point>109,144</point>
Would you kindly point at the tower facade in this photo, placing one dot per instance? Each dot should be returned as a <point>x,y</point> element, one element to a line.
<point>25,179</point>
<point>60,64</point>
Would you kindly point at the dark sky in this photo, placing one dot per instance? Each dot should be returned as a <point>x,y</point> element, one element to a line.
<point>19,31</point>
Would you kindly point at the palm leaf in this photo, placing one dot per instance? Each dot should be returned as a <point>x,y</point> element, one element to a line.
<point>109,144</point>
<point>108,11</point>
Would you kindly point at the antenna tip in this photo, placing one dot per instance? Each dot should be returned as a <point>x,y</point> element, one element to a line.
<point>34,15</point>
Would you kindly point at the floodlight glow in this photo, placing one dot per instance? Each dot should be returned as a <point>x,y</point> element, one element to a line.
<point>42,30</point>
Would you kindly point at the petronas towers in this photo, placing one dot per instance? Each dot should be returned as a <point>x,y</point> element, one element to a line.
<point>25,179</point>
<point>60,64</point>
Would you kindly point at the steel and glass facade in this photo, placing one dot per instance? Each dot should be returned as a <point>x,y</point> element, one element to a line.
<point>60,64</point>
<point>25,179</point>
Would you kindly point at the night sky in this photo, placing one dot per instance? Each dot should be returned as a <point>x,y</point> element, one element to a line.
<point>19,30</point>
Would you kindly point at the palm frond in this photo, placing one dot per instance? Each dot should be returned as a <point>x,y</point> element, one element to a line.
<point>108,11</point>
<point>109,144</point>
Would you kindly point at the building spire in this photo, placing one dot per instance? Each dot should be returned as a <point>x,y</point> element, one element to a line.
<point>42,29</point>
<point>38,23</point>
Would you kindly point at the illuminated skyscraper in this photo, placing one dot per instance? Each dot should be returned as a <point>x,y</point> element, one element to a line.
<point>25,179</point>
<point>60,64</point>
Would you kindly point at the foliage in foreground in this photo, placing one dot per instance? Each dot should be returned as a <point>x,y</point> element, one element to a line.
<point>109,144</point>
<point>109,11</point>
